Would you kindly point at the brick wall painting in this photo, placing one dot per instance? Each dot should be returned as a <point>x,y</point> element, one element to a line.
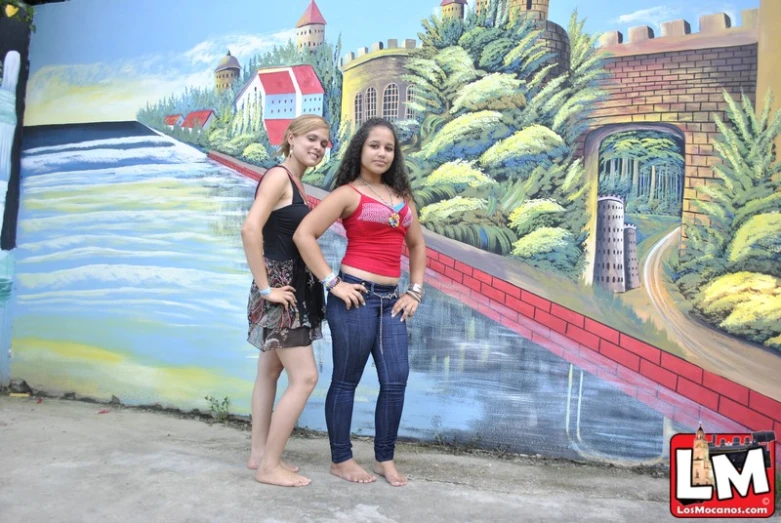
<point>601,213</point>
<point>629,177</point>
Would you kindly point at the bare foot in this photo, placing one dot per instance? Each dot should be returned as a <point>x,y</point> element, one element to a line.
<point>281,477</point>
<point>387,469</point>
<point>254,463</point>
<point>351,471</point>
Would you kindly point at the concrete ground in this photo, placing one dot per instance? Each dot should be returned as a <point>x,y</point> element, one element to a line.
<point>63,461</point>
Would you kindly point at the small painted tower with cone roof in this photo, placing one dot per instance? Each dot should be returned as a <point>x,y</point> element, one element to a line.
<point>310,29</point>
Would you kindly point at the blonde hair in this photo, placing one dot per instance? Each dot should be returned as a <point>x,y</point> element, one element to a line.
<point>300,125</point>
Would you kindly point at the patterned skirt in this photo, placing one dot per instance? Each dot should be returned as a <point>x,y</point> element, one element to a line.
<point>270,326</point>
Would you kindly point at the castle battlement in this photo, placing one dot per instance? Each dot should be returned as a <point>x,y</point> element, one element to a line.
<point>391,46</point>
<point>715,31</point>
<point>611,197</point>
<point>630,226</point>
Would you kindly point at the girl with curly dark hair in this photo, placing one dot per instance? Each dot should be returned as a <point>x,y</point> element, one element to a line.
<point>366,311</point>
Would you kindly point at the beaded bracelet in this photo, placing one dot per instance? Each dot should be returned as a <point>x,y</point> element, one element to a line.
<point>328,279</point>
<point>333,283</point>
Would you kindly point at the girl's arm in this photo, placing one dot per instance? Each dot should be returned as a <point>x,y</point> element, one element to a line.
<point>417,249</point>
<point>272,189</point>
<point>325,214</point>
<point>407,304</point>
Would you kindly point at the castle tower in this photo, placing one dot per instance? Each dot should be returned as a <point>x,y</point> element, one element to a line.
<point>227,72</point>
<point>609,266</point>
<point>453,8</point>
<point>537,9</point>
<point>373,83</point>
<point>310,29</point>
<point>702,474</point>
<point>631,270</point>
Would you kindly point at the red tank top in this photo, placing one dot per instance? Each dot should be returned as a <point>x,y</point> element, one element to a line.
<point>373,245</point>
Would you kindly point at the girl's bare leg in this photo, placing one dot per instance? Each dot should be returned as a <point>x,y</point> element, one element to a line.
<point>299,363</point>
<point>263,395</point>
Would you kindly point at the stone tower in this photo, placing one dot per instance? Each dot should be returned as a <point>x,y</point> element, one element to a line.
<point>609,266</point>
<point>631,269</point>
<point>227,72</point>
<point>702,474</point>
<point>453,8</point>
<point>310,29</point>
<point>537,9</point>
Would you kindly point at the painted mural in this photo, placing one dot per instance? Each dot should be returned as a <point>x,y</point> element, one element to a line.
<point>15,28</point>
<point>603,214</point>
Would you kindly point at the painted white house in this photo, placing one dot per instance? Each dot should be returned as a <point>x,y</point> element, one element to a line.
<point>285,93</point>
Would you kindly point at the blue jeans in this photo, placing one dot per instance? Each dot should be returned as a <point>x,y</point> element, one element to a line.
<point>356,333</point>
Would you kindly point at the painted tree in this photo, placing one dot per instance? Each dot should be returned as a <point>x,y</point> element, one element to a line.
<point>733,251</point>
<point>728,237</point>
<point>487,96</point>
<point>646,168</point>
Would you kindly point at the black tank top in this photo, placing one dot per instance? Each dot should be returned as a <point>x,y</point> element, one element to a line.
<point>281,224</point>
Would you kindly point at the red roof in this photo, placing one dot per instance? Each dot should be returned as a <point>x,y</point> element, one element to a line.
<point>171,119</point>
<point>197,118</point>
<point>312,15</point>
<point>307,79</point>
<point>277,82</point>
<point>448,2</point>
<point>276,131</point>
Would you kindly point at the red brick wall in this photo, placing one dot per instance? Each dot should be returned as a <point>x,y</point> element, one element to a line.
<point>681,88</point>
<point>680,390</point>
<point>247,169</point>
<point>642,371</point>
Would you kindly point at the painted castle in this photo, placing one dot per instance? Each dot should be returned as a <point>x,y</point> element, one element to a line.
<point>673,83</point>
<point>373,84</point>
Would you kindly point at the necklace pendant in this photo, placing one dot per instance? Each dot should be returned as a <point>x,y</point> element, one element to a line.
<point>394,220</point>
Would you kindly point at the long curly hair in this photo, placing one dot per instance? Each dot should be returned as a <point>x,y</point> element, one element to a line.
<point>395,177</point>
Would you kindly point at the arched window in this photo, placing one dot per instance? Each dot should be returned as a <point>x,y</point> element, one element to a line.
<point>371,102</point>
<point>390,102</point>
<point>358,109</point>
<point>410,113</point>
